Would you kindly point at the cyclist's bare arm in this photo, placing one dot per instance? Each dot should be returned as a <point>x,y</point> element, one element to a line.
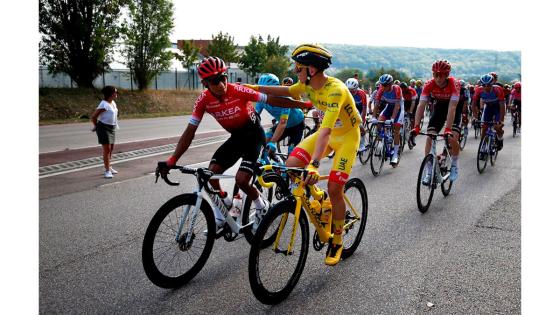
<point>279,130</point>
<point>420,112</point>
<point>185,141</point>
<point>273,90</point>
<point>285,102</point>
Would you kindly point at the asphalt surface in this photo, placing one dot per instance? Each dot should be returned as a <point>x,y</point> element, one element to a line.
<point>462,256</point>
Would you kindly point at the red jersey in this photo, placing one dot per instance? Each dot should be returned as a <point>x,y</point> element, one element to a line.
<point>233,110</point>
<point>409,94</point>
<point>495,96</point>
<point>448,93</point>
<point>516,95</point>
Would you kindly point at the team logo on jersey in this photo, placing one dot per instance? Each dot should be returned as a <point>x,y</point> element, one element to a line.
<point>350,111</point>
<point>227,112</point>
<point>342,164</point>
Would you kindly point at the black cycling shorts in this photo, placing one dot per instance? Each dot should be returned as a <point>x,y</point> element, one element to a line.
<point>246,144</point>
<point>439,116</point>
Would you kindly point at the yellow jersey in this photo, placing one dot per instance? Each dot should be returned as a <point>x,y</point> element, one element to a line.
<point>335,100</point>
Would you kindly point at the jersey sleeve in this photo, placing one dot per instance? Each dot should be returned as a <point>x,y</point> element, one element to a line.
<point>426,90</point>
<point>198,111</point>
<point>500,94</point>
<point>363,97</point>
<point>296,90</point>
<point>455,90</point>
<point>414,94</point>
<point>378,94</point>
<point>248,94</point>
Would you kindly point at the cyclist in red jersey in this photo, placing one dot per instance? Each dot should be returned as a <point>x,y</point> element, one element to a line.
<point>230,104</point>
<point>445,90</point>
<point>515,101</point>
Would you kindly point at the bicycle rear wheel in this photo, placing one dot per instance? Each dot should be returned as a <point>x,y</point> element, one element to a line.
<point>170,262</point>
<point>273,273</point>
<point>377,156</point>
<point>464,136</point>
<point>425,191</point>
<point>273,195</point>
<point>365,154</point>
<point>482,155</point>
<point>355,191</point>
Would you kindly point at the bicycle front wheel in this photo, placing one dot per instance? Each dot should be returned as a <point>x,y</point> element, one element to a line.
<point>425,184</point>
<point>493,152</point>
<point>464,138</point>
<point>356,216</point>
<point>365,154</point>
<point>482,155</point>
<point>273,271</point>
<point>273,195</point>
<point>377,156</point>
<point>171,259</point>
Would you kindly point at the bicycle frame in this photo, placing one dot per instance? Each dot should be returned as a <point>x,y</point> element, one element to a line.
<point>302,199</point>
<point>436,172</point>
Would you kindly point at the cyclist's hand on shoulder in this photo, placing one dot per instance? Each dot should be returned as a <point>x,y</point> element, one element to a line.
<point>251,86</point>
<point>312,175</point>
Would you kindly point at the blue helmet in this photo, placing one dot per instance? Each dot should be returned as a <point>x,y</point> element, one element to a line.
<point>486,79</point>
<point>386,79</point>
<point>268,79</point>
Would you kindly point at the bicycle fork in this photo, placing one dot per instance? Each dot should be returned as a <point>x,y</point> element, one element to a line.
<point>184,217</point>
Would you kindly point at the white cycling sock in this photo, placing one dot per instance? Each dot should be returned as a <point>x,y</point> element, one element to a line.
<point>396,152</point>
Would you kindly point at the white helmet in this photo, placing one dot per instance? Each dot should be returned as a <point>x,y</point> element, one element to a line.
<point>352,84</point>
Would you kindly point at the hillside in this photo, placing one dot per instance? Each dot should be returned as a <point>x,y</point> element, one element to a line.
<point>416,62</point>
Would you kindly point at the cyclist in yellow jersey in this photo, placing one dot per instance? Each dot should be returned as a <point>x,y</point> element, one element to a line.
<point>339,130</point>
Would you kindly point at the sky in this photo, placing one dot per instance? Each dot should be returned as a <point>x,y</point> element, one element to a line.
<point>430,24</point>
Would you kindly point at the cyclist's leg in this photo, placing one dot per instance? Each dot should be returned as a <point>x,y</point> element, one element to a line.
<point>437,121</point>
<point>454,142</point>
<point>346,147</point>
<point>485,118</point>
<point>225,157</point>
<point>295,136</point>
<point>251,147</point>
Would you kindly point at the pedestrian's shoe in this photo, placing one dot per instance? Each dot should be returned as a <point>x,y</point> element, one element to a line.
<point>108,174</point>
<point>113,171</point>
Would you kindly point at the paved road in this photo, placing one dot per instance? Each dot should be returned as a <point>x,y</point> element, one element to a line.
<point>463,255</point>
<point>54,138</point>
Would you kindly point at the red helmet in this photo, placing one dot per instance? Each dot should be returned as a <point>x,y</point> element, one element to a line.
<point>211,66</point>
<point>494,75</point>
<point>517,85</point>
<point>442,66</point>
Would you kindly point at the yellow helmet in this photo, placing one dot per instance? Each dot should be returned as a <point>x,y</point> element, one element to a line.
<point>312,55</point>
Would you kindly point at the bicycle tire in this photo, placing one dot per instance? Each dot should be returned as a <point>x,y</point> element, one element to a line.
<point>479,164</point>
<point>350,247</point>
<point>377,156</point>
<point>494,156</point>
<point>365,154</point>
<point>154,273</point>
<point>464,136</point>
<point>307,132</point>
<point>273,195</point>
<point>446,184</point>
<point>476,130</point>
<point>419,185</point>
<point>261,291</point>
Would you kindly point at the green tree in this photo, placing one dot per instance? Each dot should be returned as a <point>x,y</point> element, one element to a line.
<point>147,29</point>
<point>273,47</point>
<point>345,74</point>
<point>78,37</point>
<point>279,65</point>
<point>254,56</point>
<point>189,54</point>
<point>223,46</point>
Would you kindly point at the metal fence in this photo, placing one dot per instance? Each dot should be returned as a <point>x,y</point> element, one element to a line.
<point>123,78</point>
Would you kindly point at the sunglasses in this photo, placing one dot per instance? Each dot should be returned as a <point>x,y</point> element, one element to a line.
<point>440,74</point>
<point>217,79</point>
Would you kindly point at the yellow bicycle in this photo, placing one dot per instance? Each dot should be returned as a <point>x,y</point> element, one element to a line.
<point>274,269</point>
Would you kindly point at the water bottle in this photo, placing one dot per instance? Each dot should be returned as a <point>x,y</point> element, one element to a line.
<point>237,204</point>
